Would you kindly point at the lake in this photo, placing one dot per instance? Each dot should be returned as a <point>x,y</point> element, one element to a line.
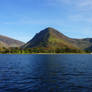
<point>46,73</point>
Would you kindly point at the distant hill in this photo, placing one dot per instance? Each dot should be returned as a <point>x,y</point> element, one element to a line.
<point>84,44</point>
<point>9,42</point>
<point>52,38</point>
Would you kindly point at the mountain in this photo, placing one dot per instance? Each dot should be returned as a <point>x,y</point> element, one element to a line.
<point>52,38</point>
<point>84,44</point>
<point>9,42</point>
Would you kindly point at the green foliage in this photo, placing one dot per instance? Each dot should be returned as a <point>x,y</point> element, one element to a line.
<point>47,41</point>
<point>38,50</point>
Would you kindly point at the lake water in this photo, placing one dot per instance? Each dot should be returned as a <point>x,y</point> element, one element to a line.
<point>46,73</point>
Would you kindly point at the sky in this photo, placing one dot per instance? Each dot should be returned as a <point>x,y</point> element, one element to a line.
<point>22,19</point>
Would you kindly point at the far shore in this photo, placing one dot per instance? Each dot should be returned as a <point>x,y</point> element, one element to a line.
<point>43,53</point>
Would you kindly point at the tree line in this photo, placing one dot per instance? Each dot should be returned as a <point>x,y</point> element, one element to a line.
<point>39,50</point>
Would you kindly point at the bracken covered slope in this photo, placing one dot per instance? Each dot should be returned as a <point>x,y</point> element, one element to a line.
<point>9,42</point>
<point>52,38</point>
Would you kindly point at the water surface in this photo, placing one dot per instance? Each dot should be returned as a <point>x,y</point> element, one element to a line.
<point>46,73</point>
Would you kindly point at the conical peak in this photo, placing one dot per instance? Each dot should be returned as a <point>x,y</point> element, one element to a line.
<point>49,29</point>
<point>48,37</point>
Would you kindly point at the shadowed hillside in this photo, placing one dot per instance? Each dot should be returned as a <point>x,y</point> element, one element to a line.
<point>9,42</point>
<point>49,37</point>
<point>52,38</point>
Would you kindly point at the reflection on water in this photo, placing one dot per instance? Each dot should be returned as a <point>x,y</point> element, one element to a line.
<point>45,73</point>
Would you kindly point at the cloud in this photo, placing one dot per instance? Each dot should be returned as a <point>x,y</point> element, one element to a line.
<point>30,21</point>
<point>80,18</point>
<point>77,10</point>
<point>79,4</point>
<point>85,3</point>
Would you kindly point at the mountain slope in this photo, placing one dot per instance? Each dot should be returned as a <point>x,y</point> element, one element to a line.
<point>9,42</point>
<point>83,44</point>
<point>50,38</point>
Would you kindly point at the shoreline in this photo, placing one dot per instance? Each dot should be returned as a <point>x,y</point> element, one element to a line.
<point>42,53</point>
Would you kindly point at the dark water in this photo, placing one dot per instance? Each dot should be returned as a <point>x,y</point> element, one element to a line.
<point>45,73</point>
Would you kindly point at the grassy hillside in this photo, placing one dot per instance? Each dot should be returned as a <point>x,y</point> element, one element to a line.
<point>50,40</point>
<point>9,42</point>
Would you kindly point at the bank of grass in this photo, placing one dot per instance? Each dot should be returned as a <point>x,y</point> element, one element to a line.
<point>43,51</point>
<point>48,53</point>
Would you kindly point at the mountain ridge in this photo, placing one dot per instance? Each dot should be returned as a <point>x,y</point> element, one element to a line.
<point>52,38</point>
<point>47,37</point>
<point>7,42</point>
